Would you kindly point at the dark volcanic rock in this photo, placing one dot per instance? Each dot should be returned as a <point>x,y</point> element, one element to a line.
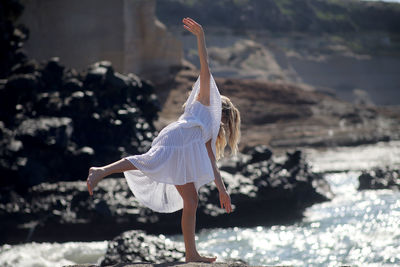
<point>263,192</point>
<point>136,246</point>
<point>379,178</point>
<point>60,122</point>
<point>64,211</point>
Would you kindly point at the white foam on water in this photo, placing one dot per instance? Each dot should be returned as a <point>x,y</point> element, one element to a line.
<point>364,157</point>
<point>51,254</point>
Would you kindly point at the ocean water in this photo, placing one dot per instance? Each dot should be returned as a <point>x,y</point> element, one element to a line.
<point>354,229</point>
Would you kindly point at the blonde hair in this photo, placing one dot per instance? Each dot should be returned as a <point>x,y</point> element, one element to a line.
<point>230,131</point>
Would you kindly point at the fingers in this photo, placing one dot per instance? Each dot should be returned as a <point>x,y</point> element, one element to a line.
<point>191,23</point>
<point>188,28</point>
<point>228,207</point>
<point>89,188</point>
<point>226,204</point>
<point>188,23</point>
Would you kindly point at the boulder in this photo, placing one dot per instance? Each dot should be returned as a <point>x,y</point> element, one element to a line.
<point>136,246</point>
<point>379,178</point>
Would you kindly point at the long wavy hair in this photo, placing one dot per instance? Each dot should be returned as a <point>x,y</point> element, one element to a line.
<point>229,131</point>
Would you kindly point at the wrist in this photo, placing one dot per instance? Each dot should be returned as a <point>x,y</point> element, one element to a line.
<point>200,35</point>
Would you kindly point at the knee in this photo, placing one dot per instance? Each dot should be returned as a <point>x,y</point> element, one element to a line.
<point>191,203</point>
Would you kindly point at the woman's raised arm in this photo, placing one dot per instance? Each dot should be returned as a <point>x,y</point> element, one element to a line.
<point>197,30</point>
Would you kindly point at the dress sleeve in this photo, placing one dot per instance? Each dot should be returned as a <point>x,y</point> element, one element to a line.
<point>215,107</point>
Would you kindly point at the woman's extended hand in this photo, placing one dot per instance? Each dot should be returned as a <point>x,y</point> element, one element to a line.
<point>193,27</point>
<point>225,201</point>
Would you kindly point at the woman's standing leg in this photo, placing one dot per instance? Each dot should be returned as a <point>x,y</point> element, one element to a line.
<point>188,223</point>
<point>98,173</point>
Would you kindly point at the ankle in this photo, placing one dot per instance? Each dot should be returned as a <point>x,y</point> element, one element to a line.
<point>191,255</point>
<point>99,172</point>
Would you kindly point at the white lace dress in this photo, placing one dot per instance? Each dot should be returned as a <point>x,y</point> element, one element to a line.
<point>178,155</point>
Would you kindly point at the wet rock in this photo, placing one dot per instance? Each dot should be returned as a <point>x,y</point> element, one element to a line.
<point>379,178</point>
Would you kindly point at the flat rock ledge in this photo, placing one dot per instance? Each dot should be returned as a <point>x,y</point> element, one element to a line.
<point>180,264</point>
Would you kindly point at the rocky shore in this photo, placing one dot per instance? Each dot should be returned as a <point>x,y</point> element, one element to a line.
<point>264,191</point>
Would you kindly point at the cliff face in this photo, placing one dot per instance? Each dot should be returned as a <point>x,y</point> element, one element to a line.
<point>149,48</point>
<point>344,47</point>
<point>125,32</point>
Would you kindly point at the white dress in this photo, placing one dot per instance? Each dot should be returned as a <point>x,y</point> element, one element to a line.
<point>178,155</point>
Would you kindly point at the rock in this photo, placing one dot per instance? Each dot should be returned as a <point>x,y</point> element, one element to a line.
<point>52,74</point>
<point>247,59</point>
<point>43,131</point>
<point>175,264</point>
<point>380,178</point>
<point>259,153</point>
<point>282,190</point>
<point>265,192</point>
<point>136,246</point>
<point>20,89</point>
<point>58,114</point>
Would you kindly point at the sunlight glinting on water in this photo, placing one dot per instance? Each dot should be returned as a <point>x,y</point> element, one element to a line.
<point>355,228</point>
<point>358,158</point>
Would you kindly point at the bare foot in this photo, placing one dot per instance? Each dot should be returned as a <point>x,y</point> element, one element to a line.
<point>199,258</point>
<point>94,177</point>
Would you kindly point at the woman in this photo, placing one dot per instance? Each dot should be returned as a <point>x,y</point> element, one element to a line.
<point>183,156</point>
